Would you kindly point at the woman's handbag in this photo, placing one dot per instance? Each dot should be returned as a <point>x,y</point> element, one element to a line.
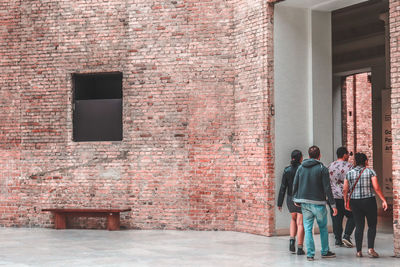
<point>347,206</point>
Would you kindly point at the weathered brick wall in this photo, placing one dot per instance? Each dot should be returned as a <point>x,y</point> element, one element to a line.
<point>348,119</point>
<point>358,107</point>
<point>364,115</point>
<point>253,120</point>
<point>147,170</point>
<point>210,114</point>
<point>395,84</point>
<point>197,142</point>
<point>9,110</point>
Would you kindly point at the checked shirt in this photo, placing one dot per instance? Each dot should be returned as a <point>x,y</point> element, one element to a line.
<point>364,187</point>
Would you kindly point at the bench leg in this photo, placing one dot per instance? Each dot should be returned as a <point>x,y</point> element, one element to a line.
<point>113,221</point>
<point>60,221</point>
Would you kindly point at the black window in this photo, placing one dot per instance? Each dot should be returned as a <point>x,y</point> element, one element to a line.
<point>97,106</point>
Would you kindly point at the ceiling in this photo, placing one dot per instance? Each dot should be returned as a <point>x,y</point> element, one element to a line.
<point>320,5</point>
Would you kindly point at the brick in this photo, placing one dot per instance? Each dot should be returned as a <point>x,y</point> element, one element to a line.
<point>358,138</point>
<point>197,151</point>
<point>394,18</point>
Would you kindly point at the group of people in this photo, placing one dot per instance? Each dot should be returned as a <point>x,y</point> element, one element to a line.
<point>349,191</point>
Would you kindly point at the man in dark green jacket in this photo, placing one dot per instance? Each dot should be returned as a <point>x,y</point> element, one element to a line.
<point>311,188</point>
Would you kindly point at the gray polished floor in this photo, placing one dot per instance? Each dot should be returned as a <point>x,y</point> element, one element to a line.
<point>48,247</point>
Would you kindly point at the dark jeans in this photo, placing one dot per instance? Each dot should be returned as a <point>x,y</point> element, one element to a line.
<point>337,221</point>
<point>362,208</point>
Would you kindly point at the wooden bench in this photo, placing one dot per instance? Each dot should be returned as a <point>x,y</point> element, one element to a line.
<point>113,218</point>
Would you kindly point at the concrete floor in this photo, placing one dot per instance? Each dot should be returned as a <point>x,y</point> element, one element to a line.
<point>48,247</point>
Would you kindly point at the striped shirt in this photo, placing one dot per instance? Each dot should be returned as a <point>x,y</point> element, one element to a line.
<point>364,187</point>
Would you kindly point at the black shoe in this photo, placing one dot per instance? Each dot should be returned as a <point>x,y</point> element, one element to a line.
<point>292,247</point>
<point>347,242</point>
<point>300,251</point>
<point>339,243</point>
<point>329,254</point>
<point>310,258</point>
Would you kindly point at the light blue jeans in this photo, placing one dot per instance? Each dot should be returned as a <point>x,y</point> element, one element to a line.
<point>311,211</point>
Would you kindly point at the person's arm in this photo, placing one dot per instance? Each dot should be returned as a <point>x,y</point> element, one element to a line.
<point>282,190</point>
<point>326,182</point>
<point>296,183</point>
<point>296,186</point>
<point>345,190</point>
<point>378,191</point>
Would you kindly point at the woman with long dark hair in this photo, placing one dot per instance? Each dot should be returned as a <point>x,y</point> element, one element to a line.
<point>296,223</point>
<point>361,182</point>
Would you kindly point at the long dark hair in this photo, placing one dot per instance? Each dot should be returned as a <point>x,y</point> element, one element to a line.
<point>296,158</point>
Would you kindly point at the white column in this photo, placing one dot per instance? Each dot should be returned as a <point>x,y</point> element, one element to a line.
<point>321,73</point>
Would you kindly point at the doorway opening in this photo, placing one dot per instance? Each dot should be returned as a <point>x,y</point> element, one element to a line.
<point>358,131</point>
<point>357,114</point>
<point>332,85</point>
<point>361,65</point>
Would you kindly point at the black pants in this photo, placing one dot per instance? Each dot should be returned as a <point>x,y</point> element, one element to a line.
<point>365,208</point>
<point>337,221</point>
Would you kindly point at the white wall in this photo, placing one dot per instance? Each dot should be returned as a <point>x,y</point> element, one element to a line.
<point>303,89</point>
<point>321,76</point>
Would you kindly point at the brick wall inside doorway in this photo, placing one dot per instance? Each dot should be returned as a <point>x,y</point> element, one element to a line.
<point>357,115</point>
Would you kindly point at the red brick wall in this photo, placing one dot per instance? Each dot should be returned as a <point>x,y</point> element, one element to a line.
<point>358,137</point>
<point>197,142</point>
<point>10,138</point>
<point>210,113</point>
<point>395,84</point>
<point>348,106</point>
<point>253,99</point>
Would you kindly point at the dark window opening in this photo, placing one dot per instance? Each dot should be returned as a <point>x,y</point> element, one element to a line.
<point>97,105</point>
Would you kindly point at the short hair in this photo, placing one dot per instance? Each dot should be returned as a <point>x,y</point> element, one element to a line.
<point>360,158</point>
<point>341,151</point>
<point>314,152</point>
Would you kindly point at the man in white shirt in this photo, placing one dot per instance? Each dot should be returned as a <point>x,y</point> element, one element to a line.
<point>337,173</point>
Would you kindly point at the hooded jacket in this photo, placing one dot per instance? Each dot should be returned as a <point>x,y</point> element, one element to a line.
<point>312,184</point>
